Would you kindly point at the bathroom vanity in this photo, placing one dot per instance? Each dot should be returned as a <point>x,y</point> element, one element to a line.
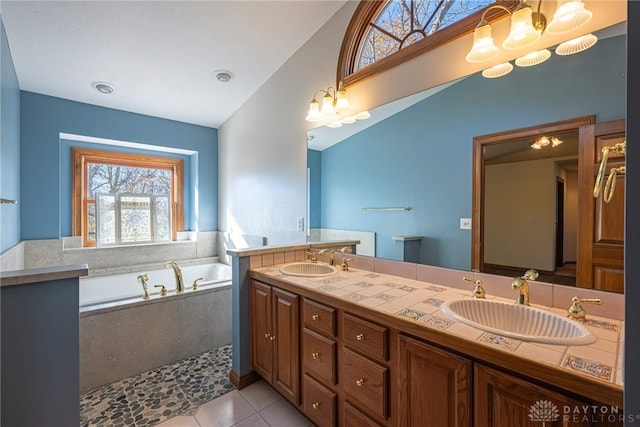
<point>361,348</point>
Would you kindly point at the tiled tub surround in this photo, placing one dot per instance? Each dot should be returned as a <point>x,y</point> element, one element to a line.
<point>121,340</point>
<point>413,304</point>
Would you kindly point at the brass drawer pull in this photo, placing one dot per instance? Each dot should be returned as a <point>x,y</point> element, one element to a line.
<point>266,335</point>
<point>315,317</point>
<point>315,405</point>
<point>360,337</point>
<point>315,355</point>
<point>360,382</point>
<point>272,338</point>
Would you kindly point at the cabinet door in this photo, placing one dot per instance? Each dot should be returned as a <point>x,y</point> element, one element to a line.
<point>434,387</point>
<point>261,343</point>
<point>286,321</point>
<point>504,400</point>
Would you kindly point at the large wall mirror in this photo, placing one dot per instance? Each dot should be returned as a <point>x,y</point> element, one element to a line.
<point>406,177</point>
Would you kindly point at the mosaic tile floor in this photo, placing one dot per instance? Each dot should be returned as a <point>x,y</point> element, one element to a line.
<point>147,399</point>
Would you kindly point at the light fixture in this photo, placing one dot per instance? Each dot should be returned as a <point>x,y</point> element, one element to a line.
<point>523,33</point>
<point>497,70</point>
<point>223,76</point>
<point>333,103</point>
<point>545,141</point>
<point>533,58</point>
<point>483,48</point>
<point>333,107</point>
<point>569,16</point>
<point>576,45</point>
<point>103,87</point>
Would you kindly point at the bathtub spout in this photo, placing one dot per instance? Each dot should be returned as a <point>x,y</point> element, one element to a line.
<point>143,279</point>
<point>178,273</point>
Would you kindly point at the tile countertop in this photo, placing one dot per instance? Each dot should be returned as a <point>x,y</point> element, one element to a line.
<point>419,302</point>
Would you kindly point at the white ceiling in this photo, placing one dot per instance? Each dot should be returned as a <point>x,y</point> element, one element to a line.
<point>160,56</point>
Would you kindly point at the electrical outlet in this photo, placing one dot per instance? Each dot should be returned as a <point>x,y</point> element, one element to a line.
<point>300,224</point>
<point>465,223</point>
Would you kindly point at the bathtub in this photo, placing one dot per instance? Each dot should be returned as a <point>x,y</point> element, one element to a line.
<point>122,335</point>
<point>124,288</point>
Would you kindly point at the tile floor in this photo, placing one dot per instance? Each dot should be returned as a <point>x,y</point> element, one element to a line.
<point>255,406</point>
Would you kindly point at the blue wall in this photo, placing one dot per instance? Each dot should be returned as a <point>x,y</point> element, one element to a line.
<point>9,147</point>
<point>44,186</point>
<point>422,156</point>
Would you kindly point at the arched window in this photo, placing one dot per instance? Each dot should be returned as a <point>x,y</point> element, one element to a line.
<point>383,34</point>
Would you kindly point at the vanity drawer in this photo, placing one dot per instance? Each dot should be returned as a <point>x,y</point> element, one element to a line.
<point>319,317</point>
<point>319,356</point>
<point>365,382</point>
<point>355,418</point>
<point>319,403</point>
<point>365,336</point>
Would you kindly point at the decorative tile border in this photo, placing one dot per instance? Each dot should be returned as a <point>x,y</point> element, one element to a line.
<point>407,288</point>
<point>602,325</point>
<point>589,367</point>
<point>436,289</point>
<point>434,301</point>
<point>411,314</point>
<point>354,297</point>
<point>385,297</point>
<point>438,322</point>
<point>327,288</point>
<point>364,284</point>
<point>372,275</point>
<point>499,341</point>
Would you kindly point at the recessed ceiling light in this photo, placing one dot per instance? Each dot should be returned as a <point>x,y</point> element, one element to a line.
<point>102,87</point>
<point>223,76</point>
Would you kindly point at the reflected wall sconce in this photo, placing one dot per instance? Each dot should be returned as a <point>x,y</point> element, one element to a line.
<point>526,28</point>
<point>332,108</point>
<point>545,141</point>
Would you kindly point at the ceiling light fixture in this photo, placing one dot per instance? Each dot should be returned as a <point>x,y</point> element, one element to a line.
<point>545,141</point>
<point>223,76</point>
<point>103,87</point>
<point>526,28</point>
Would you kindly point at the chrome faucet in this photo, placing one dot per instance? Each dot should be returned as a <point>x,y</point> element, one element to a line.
<point>143,279</point>
<point>521,286</point>
<point>178,273</point>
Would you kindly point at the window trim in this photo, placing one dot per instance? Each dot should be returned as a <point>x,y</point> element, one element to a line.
<point>358,28</point>
<point>80,157</point>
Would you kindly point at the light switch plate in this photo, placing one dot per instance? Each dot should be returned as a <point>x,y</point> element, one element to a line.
<point>465,223</point>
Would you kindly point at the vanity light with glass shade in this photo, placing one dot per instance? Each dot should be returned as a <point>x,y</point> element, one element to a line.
<point>526,28</point>
<point>333,108</point>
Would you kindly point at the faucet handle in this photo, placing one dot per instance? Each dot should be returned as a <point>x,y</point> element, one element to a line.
<point>576,312</point>
<point>312,256</point>
<point>195,283</point>
<point>345,264</point>
<point>143,278</point>
<point>346,250</point>
<point>478,289</point>
<point>530,274</point>
<point>163,291</point>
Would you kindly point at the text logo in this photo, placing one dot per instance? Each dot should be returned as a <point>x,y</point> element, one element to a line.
<point>544,411</point>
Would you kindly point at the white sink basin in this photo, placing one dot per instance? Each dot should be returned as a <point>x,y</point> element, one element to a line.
<point>518,321</point>
<point>308,269</point>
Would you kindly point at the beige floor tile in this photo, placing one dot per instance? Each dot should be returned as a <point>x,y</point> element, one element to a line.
<point>253,421</point>
<point>181,421</point>
<point>260,395</point>
<point>283,414</point>
<point>224,411</point>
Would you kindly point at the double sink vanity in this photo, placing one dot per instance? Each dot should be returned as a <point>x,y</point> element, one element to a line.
<point>366,348</point>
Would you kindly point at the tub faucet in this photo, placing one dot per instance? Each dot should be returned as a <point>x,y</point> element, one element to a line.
<point>143,279</point>
<point>178,273</point>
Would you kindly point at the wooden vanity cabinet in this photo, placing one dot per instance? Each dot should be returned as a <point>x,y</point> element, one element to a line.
<point>275,335</point>
<point>501,399</point>
<point>435,386</point>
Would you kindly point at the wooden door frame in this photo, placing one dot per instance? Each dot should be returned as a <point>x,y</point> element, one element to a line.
<point>478,173</point>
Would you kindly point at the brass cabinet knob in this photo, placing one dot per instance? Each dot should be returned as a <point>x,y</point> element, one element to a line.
<point>360,337</point>
<point>315,317</point>
<point>266,335</point>
<point>315,355</point>
<point>272,338</point>
<point>315,405</point>
<point>360,382</point>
